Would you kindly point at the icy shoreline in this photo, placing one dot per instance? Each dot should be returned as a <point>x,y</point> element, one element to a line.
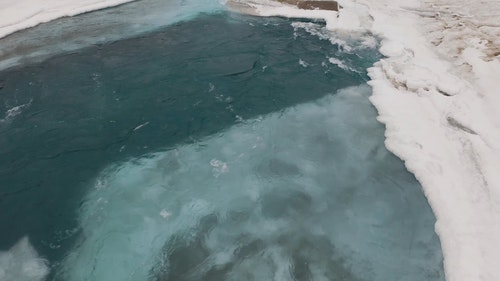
<point>440,108</point>
<point>436,92</point>
<point>18,15</point>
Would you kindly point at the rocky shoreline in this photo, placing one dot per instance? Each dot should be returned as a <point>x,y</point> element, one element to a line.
<point>313,5</point>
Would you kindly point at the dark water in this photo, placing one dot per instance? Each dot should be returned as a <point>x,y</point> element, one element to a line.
<point>164,91</point>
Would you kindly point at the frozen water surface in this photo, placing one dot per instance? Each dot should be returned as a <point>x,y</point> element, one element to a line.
<point>222,148</point>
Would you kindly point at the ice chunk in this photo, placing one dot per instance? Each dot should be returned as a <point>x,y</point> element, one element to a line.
<point>22,263</point>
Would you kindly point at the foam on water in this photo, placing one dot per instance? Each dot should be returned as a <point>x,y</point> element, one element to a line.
<point>12,112</point>
<point>309,192</point>
<point>346,43</point>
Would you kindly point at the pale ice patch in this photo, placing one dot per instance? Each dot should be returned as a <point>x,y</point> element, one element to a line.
<point>271,193</point>
<point>341,64</point>
<point>303,63</point>
<point>165,214</point>
<point>218,167</point>
<point>22,263</point>
<point>211,87</point>
<point>141,126</point>
<point>12,112</point>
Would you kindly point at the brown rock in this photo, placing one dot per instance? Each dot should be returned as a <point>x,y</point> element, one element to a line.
<point>321,5</point>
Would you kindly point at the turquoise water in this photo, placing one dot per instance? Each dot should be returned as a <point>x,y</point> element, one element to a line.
<point>221,148</point>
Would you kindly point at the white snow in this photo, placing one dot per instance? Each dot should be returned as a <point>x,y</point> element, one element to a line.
<point>16,15</point>
<point>437,92</point>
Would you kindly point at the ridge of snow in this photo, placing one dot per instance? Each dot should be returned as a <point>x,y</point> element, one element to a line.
<point>437,94</point>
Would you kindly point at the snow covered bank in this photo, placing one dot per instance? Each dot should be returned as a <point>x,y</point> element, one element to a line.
<point>17,15</point>
<point>437,93</point>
